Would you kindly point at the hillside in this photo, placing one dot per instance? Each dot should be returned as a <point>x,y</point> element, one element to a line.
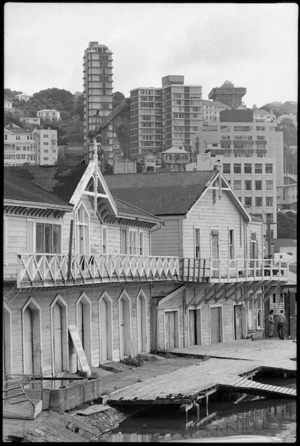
<point>70,129</point>
<point>280,108</point>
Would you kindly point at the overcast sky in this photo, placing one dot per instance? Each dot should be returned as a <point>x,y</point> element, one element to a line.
<point>252,45</point>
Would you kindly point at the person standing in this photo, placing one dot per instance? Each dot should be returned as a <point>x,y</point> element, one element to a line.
<point>271,323</point>
<point>281,320</point>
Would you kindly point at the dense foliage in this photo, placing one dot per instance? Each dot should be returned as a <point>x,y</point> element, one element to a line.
<point>287,225</point>
<point>70,129</point>
<point>280,108</point>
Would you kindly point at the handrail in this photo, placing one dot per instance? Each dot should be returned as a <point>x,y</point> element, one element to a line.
<point>54,269</point>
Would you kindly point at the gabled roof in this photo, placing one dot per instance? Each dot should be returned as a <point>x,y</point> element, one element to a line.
<point>175,150</point>
<point>167,193</point>
<point>29,183</point>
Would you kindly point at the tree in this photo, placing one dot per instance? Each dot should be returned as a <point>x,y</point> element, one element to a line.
<point>286,225</point>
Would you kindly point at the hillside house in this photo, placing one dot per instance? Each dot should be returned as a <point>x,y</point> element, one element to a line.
<point>82,261</point>
<point>225,281</point>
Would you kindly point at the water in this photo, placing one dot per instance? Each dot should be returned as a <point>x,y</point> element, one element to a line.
<point>268,417</point>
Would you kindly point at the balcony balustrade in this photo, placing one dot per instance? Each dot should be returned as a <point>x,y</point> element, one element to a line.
<point>46,270</point>
<point>232,270</point>
<point>56,269</point>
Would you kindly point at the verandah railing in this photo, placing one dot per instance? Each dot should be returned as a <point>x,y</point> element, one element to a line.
<point>58,269</point>
<point>229,270</point>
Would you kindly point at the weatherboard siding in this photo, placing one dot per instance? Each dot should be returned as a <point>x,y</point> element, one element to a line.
<point>190,302</point>
<point>205,215</point>
<point>166,240</point>
<point>44,299</point>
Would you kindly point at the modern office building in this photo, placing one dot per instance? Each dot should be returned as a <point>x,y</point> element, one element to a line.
<point>166,117</point>
<point>228,94</point>
<point>250,155</point>
<point>97,84</point>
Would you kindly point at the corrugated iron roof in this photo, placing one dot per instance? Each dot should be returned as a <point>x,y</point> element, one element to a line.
<point>169,193</point>
<point>56,186</point>
<point>22,189</point>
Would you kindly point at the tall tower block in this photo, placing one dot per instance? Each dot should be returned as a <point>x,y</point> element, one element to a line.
<point>97,86</point>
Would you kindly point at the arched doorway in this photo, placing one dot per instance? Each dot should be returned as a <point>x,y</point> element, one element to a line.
<point>84,322</point>
<point>106,336</point>
<point>124,325</point>
<point>32,363</point>
<point>59,336</point>
<point>141,315</point>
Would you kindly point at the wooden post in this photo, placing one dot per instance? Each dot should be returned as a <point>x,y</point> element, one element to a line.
<point>70,250</point>
<point>206,405</point>
<point>203,276</point>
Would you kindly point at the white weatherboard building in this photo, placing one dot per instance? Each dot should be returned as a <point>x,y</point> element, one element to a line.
<point>37,147</point>
<point>48,114</point>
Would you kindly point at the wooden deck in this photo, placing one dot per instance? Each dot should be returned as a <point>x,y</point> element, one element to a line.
<point>191,384</point>
<point>255,388</point>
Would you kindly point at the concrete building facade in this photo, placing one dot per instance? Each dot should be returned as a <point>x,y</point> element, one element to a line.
<point>228,94</point>
<point>46,146</point>
<point>97,85</point>
<point>211,110</point>
<point>251,157</point>
<point>162,118</point>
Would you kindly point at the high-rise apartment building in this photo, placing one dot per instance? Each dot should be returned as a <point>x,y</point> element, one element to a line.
<point>162,118</point>
<point>228,94</point>
<point>97,84</point>
<point>251,157</point>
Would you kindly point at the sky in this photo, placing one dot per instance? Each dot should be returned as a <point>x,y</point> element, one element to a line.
<point>253,45</point>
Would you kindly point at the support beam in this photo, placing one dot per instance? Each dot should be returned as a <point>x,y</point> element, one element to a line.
<point>267,294</point>
<point>244,291</point>
<point>208,295</point>
<point>222,292</point>
<point>236,287</point>
<point>255,289</point>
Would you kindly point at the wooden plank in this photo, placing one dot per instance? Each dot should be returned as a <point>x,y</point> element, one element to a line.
<point>79,349</point>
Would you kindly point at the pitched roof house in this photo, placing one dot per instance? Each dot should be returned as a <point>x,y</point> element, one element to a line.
<point>208,228</point>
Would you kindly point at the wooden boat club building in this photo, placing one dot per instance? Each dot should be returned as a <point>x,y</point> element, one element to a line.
<point>135,262</point>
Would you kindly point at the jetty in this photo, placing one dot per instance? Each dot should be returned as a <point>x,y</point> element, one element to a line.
<point>190,386</point>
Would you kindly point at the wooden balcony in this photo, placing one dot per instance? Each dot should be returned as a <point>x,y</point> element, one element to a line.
<point>46,270</point>
<point>232,270</point>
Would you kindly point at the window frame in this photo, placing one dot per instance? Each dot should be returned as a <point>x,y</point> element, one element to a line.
<point>104,239</point>
<point>197,246</point>
<point>231,243</point>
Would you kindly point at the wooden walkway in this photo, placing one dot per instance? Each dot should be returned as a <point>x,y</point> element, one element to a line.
<point>191,384</point>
